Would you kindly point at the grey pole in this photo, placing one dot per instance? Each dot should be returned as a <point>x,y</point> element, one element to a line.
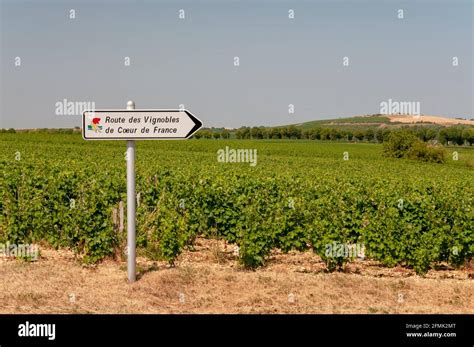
<point>131,232</point>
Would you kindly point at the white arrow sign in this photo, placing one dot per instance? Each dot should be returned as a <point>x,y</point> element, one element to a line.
<point>138,124</point>
<point>130,125</point>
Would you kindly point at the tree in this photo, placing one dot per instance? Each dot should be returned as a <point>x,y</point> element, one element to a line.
<point>336,134</point>
<point>293,132</point>
<point>379,135</point>
<point>325,134</point>
<point>451,135</point>
<point>468,135</point>
<point>455,135</point>
<point>225,134</point>
<point>306,134</point>
<point>421,134</point>
<point>246,133</point>
<point>316,135</point>
<point>216,135</point>
<point>398,143</point>
<point>369,134</point>
<point>207,134</point>
<point>256,133</point>
<point>386,134</point>
<point>349,135</point>
<point>443,136</point>
<point>284,133</point>
<point>275,133</point>
<point>359,135</point>
<point>430,134</point>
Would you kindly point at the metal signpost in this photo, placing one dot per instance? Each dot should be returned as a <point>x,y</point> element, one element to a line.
<point>131,125</point>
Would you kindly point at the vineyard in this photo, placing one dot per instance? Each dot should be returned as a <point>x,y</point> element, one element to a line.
<point>302,195</point>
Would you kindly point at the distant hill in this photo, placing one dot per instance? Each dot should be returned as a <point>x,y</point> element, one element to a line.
<point>379,120</point>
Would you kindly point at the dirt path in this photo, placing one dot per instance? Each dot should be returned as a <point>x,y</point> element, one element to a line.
<point>209,280</point>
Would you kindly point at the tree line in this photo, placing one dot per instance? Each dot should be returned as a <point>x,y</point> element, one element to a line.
<point>42,131</point>
<point>455,135</point>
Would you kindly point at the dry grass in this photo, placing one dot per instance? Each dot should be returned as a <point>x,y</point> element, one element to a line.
<point>209,280</point>
<point>429,119</point>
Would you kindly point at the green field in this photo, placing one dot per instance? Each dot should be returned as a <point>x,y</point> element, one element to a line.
<point>301,194</point>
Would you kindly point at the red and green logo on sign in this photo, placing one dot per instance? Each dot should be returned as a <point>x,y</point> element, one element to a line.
<point>95,125</point>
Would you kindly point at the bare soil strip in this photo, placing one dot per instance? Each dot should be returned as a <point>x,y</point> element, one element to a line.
<point>209,280</point>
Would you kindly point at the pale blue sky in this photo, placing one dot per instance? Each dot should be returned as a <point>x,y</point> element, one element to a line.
<point>191,61</point>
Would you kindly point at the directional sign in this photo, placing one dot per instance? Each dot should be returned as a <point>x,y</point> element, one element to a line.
<point>138,124</point>
<point>131,125</point>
